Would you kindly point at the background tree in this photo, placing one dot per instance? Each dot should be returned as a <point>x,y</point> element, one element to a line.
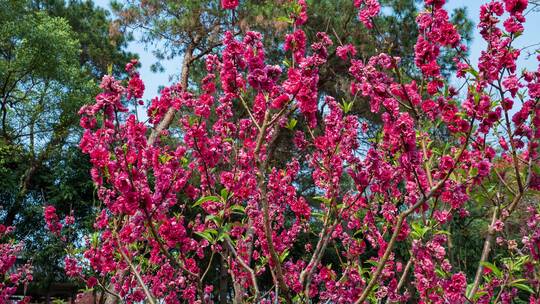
<point>52,54</point>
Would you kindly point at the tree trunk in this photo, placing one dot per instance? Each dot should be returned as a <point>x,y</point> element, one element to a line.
<point>223,284</point>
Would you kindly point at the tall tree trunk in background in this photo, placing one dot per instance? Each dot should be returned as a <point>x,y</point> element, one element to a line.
<point>23,190</point>
<point>58,139</point>
<point>184,81</point>
<point>223,284</point>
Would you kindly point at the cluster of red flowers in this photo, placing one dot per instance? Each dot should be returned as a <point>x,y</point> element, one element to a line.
<point>52,220</point>
<point>229,4</point>
<point>12,275</point>
<point>368,10</point>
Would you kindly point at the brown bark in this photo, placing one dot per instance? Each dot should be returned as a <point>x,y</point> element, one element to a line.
<point>58,139</point>
<point>184,81</point>
<point>223,286</point>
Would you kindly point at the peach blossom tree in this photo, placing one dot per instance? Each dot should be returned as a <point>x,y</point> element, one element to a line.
<point>196,181</point>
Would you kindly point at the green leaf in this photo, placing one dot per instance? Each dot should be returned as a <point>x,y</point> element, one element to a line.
<point>346,106</point>
<point>472,72</point>
<point>496,271</point>
<point>473,172</point>
<point>478,294</point>
<point>283,255</point>
<point>317,214</point>
<point>223,234</point>
<point>291,124</point>
<point>284,19</point>
<point>206,235</point>
<point>372,262</point>
<point>286,63</point>
<point>213,218</point>
<point>205,199</point>
<point>164,158</point>
<point>418,231</point>
<point>443,232</point>
<point>440,272</point>
<point>224,193</point>
<point>522,287</point>
<point>192,120</point>
<point>323,199</point>
<point>94,238</point>
<point>238,208</point>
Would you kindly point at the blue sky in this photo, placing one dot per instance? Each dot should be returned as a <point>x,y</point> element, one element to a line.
<point>154,80</point>
<point>530,36</point>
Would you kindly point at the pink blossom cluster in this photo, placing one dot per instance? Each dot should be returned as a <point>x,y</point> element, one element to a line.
<point>52,220</point>
<point>229,4</point>
<point>433,271</point>
<point>301,17</point>
<point>345,50</point>
<point>367,10</point>
<point>12,275</point>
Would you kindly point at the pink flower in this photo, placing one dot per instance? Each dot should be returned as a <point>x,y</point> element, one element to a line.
<point>229,4</point>
<point>367,10</point>
<point>135,87</point>
<point>296,42</point>
<point>442,216</point>
<point>446,163</point>
<point>52,220</point>
<point>302,17</point>
<point>515,6</point>
<point>71,267</point>
<point>484,167</point>
<point>344,51</point>
<point>513,26</point>
<point>511,83</point>
<point>498,226</point>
